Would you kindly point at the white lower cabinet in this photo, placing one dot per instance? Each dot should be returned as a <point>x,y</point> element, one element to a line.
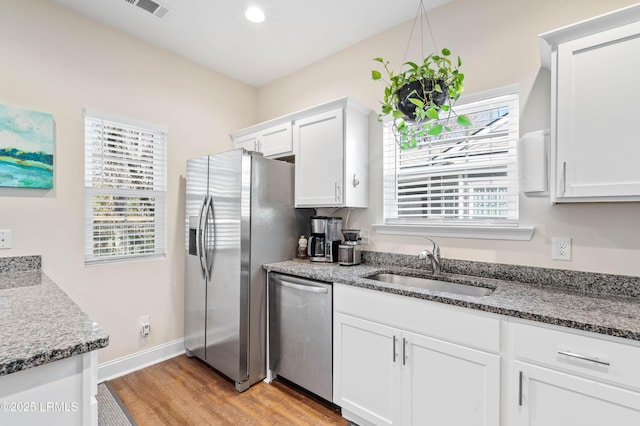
<point>385,374</point>
<point>553,398</point>
<point>566,378</point>
<point>448,384</point>
<point>60,393</point>
<point>405,361</point>
<point>366,379</point>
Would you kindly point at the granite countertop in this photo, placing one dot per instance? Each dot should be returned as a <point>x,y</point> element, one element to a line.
<point>560,303</point>
<point>39,323</point>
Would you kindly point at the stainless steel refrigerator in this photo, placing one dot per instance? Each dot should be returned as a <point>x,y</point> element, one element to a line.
<point>239,215</point>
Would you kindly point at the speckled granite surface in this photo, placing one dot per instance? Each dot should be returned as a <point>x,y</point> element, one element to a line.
<point>572,299</point>
<point>39,323</point>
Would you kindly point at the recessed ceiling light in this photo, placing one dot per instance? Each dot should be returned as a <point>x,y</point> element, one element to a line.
<point>254,14</point>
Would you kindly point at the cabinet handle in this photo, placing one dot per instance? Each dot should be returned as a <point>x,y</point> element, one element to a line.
<point>337,192</point>
<point>564,177</point>
<point>582,357</point>
<point>355,181</point>
<point>404,351</point>
<point>394,349</point>
<point>520,389</point>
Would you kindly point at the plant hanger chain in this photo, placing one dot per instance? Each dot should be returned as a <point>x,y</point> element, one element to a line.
<point>422,14</point>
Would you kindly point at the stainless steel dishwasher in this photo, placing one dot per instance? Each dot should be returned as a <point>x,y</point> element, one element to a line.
<point>300,332</point>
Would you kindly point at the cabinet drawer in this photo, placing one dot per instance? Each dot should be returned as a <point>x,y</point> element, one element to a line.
<point>433,319</point>
<point>615,362</point>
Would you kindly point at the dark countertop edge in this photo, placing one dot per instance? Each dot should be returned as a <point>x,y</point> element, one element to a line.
<point>52,355</point>
<point>407,292</point>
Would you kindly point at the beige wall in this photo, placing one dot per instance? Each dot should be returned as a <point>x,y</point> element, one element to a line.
<point>497,40</point>
<point>56,61</point>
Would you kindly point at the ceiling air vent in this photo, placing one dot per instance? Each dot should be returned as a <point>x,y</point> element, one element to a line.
<point>151,7</point>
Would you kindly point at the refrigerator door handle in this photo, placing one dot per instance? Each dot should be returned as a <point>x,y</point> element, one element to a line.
<point>200,237</point>
<point>208,262</point>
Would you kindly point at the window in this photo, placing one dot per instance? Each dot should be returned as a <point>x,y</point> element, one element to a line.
<point>125,189</point>
<point>463,177</point>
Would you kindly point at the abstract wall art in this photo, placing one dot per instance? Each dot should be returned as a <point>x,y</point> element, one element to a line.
<point>26,148</point>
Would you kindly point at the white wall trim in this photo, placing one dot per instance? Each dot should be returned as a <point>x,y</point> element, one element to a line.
<point>517,233</point>
<point>130,363</point>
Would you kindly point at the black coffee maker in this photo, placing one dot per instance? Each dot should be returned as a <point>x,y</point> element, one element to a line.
<point>318,240</point>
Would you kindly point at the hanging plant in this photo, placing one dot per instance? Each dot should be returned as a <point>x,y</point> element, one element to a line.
<point>423,94</point>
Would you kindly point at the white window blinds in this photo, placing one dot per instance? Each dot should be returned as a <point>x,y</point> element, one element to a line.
<point>125,189</point>
<point>465,176</point>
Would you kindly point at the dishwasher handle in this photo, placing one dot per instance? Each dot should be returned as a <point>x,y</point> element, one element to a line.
<point>302,287</point>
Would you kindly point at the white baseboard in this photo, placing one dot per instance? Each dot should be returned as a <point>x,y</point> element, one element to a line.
<point>130,363</point>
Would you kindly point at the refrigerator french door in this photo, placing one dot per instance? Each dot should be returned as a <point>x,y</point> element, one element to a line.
<point>239,215</point>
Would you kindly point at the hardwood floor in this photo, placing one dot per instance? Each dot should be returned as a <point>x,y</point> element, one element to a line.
<point>185,391</point>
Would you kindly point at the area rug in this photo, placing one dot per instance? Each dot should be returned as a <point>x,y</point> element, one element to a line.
<point>111,411</point>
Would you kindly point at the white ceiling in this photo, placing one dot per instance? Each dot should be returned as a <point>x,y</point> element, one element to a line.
<point>215,33</point>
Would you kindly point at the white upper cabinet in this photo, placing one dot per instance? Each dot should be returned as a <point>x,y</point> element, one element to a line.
<point>329,144</point>
<point>332,156</point>
<point>272,140</point>
<point>594,142</point>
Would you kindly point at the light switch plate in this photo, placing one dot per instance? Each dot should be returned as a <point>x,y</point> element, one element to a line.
<point>5,239</point>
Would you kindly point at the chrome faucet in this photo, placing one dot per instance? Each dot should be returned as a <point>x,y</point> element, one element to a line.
<point>433,257</point>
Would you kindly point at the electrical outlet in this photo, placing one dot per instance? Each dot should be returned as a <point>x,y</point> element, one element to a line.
<point>145,325</point>
<point>364,236</point>
<point>5,238</point>
<point>561,248</point>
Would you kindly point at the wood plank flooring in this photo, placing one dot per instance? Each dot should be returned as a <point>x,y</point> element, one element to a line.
<point>185,391</point>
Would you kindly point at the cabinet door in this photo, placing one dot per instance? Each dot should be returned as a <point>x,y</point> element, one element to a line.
<point>552,398</point>
<point>277,141</point>
<point>448,384</point>
<point>318,144</point>
<point>596,141</point>
<point>248,142</point>
<point>367,370</point>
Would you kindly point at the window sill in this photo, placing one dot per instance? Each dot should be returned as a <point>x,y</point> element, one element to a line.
<point>515,233</point>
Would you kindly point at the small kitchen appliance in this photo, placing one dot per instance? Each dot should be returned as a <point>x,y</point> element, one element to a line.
<point>349,252</point>
<point>334,238</point>
<point>318,241</point>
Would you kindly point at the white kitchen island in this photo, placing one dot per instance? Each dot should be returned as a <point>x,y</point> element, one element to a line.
<point>48,359</point>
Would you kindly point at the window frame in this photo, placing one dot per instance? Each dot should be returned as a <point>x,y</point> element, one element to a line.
<point>134,198</point>
<point>496,229</point>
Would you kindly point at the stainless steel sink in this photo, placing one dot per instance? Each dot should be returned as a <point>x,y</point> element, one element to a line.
<point>431,284</point>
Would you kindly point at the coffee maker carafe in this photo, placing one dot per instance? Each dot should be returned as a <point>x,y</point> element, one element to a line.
<point>317,245</point>
<point>333,238</point>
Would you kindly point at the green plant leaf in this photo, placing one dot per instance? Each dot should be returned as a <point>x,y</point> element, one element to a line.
<point>432,113</point>
<point>397,114</point>
<point>375,75</point>
<point>379,60</point>
<point>445,108</point>
<point>435,130</point>
<point>446,52</point>
<point>459,61</point>
<point>416,102</point>
<point>463,120</point>
<point>413,65</point>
